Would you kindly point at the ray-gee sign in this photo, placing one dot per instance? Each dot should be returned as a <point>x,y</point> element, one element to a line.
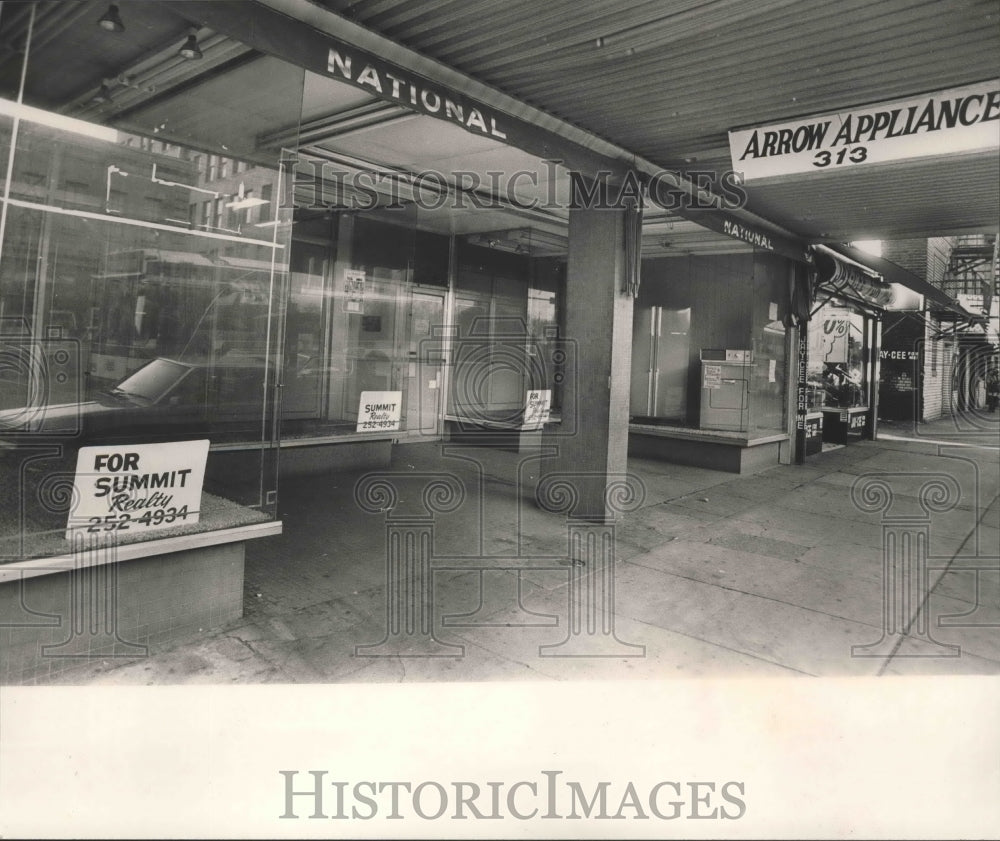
<point>965,119</point>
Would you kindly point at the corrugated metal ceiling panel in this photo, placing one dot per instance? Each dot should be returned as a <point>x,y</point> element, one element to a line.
<point>724,69</point>
<point>957,195</point>
<point>669,80</point>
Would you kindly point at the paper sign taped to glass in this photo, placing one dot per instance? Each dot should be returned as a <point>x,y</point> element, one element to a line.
<point>379,411</point>
<point>536,408</point>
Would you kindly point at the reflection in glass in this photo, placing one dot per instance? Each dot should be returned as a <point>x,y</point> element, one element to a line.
<point>125,316</point>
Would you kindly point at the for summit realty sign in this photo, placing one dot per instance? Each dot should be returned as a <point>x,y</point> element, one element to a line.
<point>965,119</point>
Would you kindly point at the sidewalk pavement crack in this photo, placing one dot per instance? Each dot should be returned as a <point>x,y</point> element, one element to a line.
<point>925,601</point>
<point>756,595</point>
<point>237,638</point>
<point>278,664</point>
<point>749,654</point>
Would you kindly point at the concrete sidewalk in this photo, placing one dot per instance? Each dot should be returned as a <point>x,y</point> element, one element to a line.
<point>714,575</point>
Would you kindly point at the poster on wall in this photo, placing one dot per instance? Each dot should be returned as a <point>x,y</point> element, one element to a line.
<point>379,410</point>
<point>832,341</point>
<point>126,489</point>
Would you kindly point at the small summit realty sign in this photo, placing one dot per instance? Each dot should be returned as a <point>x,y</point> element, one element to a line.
<point>379,410</point>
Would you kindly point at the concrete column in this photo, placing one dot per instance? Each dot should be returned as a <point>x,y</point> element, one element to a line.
<point>593,437</point>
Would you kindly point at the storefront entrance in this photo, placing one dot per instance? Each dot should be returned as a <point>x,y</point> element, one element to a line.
<point>840,378</point>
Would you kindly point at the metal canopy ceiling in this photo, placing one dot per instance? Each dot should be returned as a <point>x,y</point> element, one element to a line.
<point>663,80</point>
<point>668,80</point>
<point>240,102</point>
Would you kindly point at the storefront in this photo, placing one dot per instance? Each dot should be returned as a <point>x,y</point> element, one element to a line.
<point>918,363</point>
<point>919,360</point>
<point>207,262</point>
<point>295,243</point>
<point>842,338</point>
<point>709,381</point>
<point>842,354</point>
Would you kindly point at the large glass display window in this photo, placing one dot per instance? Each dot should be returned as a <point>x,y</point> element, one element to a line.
<point>450,327</point>
<point>709,344</point>
<point>366,310</point>
<point>144,252</point>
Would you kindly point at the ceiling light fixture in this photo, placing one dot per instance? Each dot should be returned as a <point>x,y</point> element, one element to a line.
<point>189,49</point>
<point>111,21</point>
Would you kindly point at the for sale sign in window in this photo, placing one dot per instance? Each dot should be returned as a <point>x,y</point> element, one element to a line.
<point>125,489</point>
